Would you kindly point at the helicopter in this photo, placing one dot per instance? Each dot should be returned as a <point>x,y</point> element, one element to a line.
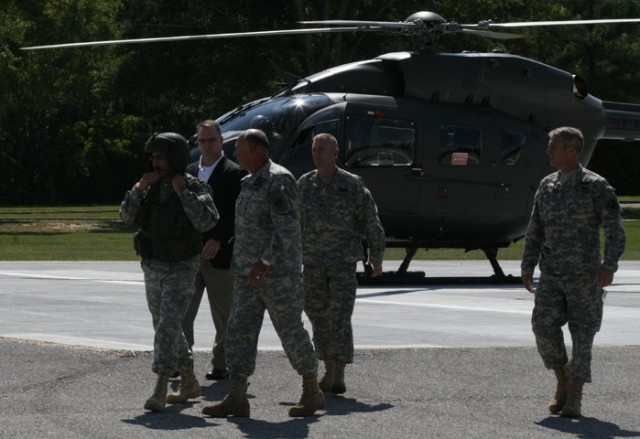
<point>451,145</point>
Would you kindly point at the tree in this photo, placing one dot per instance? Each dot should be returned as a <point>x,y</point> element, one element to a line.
<point>59,110</point>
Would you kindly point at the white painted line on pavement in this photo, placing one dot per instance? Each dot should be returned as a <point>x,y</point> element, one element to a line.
<point>88,279</point>
<point>432,305</point>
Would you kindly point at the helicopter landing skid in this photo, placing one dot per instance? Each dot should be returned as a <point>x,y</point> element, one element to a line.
<point>419,278</point>
<point>405,277</point>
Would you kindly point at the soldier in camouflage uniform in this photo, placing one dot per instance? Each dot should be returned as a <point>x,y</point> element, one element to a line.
<point>170,209</point>
<point>267,266</point>
<point>337,212</point>
<point>569,209</point>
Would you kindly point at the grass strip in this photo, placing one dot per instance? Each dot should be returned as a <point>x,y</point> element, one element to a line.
<point>95,233</point>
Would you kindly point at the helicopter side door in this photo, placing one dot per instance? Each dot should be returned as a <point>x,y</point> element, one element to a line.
<point>379,139</point>
<point>481,167</point>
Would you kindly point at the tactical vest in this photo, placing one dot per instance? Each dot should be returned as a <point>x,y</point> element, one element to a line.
<point>166,233</point>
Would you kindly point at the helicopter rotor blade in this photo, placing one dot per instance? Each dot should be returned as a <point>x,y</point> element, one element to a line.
<point>373,25</point>
<point>489,34</point>
<point>483,29</point>
<point>196,37</point>
<point>488,24</point>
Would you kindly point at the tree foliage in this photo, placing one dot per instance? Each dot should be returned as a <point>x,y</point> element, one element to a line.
<point>73,122</point>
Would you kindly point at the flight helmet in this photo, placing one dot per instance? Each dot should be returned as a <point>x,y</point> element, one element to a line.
<point>173,146</point>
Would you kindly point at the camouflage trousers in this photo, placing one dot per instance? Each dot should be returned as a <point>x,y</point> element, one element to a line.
<point>577,301</point>
<point>281,296</point>
<point>329,299</point>
<point>169,287</point>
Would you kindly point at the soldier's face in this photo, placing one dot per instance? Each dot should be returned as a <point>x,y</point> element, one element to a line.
<point>324,153</point>
<point>560,155</point>
<point>160,164</point>
<point>241,153</point>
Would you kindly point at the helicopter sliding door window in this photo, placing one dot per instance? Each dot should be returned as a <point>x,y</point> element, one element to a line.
<point>460,146</point>
<point>374,141</point>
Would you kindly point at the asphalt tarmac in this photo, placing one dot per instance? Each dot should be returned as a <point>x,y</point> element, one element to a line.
<point>454,361</point>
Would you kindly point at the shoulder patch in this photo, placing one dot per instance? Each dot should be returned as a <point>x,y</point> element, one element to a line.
<point>279,199</point>
<point>613,204</point>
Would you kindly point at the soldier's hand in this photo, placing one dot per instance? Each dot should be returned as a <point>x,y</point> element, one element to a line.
<point>605,277</point>
<point>210,249</point>
<point>376,268</point>
<point>258,273</point>
<point>527,281</point>
<point>148,179</point>
<point>178,183</point>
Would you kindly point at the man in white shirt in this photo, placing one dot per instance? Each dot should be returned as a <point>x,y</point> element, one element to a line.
<point>223,175</point>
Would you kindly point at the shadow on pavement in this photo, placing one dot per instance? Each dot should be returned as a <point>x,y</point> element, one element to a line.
<point>586,427</point>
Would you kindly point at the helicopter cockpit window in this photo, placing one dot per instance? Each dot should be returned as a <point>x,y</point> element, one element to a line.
<point>306,136</point>
<point>298,158</point>
<point>511,148</point>
<point>375,141</point>
<point>460,146</point>
<point>277,117</point>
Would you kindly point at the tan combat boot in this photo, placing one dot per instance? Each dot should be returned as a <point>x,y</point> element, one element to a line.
<point>338,378</point>
<point>560,397</point>
<point>157,401</point>
<point>189,388</point>
<point>312,398</point>
<point>234,404</point>
<point>573,405</point>
<point>326,382</point>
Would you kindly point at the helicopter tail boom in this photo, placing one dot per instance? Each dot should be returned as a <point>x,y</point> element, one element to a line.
<point>623,121</point>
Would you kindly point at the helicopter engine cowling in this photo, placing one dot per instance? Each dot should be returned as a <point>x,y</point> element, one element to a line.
<point>529,90</point>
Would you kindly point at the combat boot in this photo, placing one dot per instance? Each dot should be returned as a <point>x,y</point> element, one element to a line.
<point>560,397</point>
<point>312,398</point>
<point>326,382</point>
<point>157,401</point>
<point>573,405</point>
<point>189,388</point>
<point>234,404</point>
<point>338,378</point>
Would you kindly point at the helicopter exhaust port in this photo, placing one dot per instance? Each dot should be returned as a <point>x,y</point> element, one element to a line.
<point>580,89</point>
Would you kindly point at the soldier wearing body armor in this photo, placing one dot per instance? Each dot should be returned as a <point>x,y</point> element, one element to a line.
<point>170,209</point>
<point>570,209</point>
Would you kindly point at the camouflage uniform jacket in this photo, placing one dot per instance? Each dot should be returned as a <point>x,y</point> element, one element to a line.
<point>336,216</point>
<point>196,200</point>
<point>268,222</point>
<point>564,230</point>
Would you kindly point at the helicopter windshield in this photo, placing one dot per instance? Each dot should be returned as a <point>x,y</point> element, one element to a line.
<point>277,117</point>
